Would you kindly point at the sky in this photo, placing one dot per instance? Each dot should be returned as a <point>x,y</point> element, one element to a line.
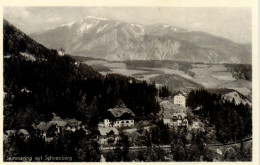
<point>232,23</point>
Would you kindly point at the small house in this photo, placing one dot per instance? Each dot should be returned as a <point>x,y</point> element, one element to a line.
<point>73,125</point>
<point>57,126</point>
<point>21,132</point>
<point>61,52</point>
<point>109,135</point>
<point>42,128</point>
<point>197,125</point>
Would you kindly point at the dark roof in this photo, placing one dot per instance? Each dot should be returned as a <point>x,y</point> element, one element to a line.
<point>9,132</point>
<point>73,122</point>
<point>57,121</point>
<point>118,112</point>
<point>20,131</point>
<point>61,49</point>
<point>105,131</point>
<point>23,131</point>
<point>180,92</point>
<point>43,126</point>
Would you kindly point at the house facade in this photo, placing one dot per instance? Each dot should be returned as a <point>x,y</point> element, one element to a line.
<point>180,99</point>
<point>61,52</point>
<point>176,121</point>
<point>197,125</point>
<point>57,126</point>
<point>173,115</point>
<point>23,133</point>
<point>119,117</point>
<point>108,135</point>
<point>73,125</point>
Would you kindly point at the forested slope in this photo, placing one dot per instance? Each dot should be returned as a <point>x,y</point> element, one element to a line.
<point>36,89</point>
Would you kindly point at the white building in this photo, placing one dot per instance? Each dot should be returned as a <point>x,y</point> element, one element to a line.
<point>119,117</point>
<point>61,52</point>
<point>180,99</point>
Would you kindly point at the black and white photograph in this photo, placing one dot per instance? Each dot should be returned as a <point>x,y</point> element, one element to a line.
<point>127,84</point>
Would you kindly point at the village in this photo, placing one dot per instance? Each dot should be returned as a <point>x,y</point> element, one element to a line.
<point>119,119</point>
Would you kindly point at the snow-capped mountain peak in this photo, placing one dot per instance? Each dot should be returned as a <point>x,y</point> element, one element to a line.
<point>97,18</point>
<point>69,24</point>
<point>115,40</point>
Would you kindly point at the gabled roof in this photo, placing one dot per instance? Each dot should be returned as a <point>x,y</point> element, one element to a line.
<point>180,92</point>
<point>26,90</point>
<point>43,126</point>
<point>58,123</point>
<point>9,132</point>
<point>105,131</point>
<point>23,131</point>
<point>72,122</point>
<point>61,49</point>
<point>56,120</point>
<point>118,112</point>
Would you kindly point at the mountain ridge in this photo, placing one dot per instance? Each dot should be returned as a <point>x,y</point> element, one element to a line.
<point>16,42</point>
<point>119,41</point>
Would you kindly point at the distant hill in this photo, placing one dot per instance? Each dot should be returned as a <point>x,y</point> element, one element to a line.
<point>118,41</point>
<point>227,92</point>
<point>175,82</point>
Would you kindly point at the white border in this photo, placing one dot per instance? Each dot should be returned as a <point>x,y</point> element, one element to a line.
<point>253,4</point>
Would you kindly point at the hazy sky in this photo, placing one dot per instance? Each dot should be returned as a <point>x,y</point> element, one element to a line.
<point>232,23</point>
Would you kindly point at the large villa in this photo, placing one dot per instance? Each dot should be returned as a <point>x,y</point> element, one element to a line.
<point>119,117</point>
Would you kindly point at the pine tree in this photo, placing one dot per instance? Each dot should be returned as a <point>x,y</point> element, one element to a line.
<point>82,108</point>
<point>93,115</point>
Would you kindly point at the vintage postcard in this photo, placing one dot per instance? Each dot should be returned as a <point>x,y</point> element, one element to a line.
<point>114,81</point>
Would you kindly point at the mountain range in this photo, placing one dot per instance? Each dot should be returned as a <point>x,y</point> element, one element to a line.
<point>118,41</point>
